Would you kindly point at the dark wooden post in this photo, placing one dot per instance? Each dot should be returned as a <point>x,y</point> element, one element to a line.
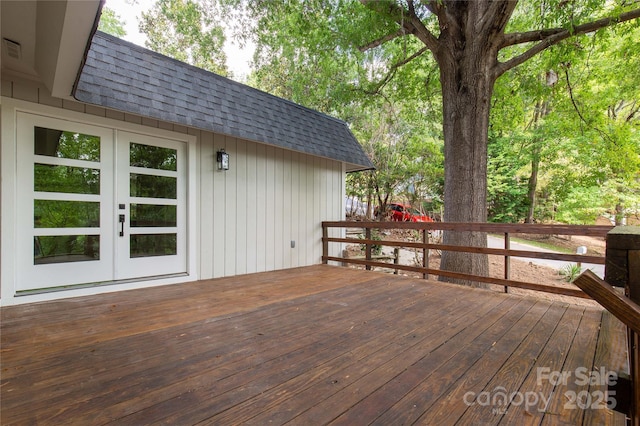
<point>367,236</point>
<point>396,259</point>
<point>507,261</point>
<point>425,253</point>
<point>325,243</point>
<point>622,269</point>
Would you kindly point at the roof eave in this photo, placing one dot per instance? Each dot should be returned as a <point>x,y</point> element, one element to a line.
<point>62,44</point>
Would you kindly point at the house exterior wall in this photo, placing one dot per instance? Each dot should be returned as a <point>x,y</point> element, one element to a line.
<point>263,214</point>
<point>270,200</point>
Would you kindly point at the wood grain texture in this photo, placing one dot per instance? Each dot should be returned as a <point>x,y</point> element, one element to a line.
<point>619,305</point>
<point>312,345</point>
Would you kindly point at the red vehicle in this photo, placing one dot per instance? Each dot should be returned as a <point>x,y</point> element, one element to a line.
<point>404,213</point>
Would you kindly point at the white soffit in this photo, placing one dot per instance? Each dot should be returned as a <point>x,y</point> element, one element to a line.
<point>63,32</point>
<point>51,36</point>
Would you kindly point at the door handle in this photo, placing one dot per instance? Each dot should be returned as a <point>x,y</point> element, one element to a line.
<point>121,220</point>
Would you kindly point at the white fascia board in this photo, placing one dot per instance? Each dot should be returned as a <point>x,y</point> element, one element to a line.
<point>63,31</point>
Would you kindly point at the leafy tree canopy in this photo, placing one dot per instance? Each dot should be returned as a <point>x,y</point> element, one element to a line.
<point>187,30</point>
<point>111,23</point>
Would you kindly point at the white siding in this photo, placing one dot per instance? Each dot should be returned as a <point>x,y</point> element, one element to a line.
<point>207,158</point>
<point>246,217</point>
<point>268,198</point>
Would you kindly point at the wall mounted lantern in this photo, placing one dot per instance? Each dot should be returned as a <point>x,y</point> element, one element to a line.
<point>223,160</point>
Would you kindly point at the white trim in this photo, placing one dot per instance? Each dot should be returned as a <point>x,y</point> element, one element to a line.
<point>10,197</point>
<point>83,164</point>
<point>8,193</point>
<point>66,196</point>
<point>157,201</point>
<point>152,172</point>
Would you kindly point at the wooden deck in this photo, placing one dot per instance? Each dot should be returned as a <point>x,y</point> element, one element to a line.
<point>309,346</point>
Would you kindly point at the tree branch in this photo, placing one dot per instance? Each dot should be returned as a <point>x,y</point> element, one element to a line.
<point>392,72</point>
<point>539,35</point>
<point>382,40</point>
<point>555,36</point>
<point>407,20</point>
<point>635,108</point>
<point>488,18</point>
<point>433,6</point>
<point>604,135</point>
<point>529,36</point>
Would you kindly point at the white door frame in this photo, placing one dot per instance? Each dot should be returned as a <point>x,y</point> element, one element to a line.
<point>33,277</point>
<point>11,195</point>
<point>126,266</point>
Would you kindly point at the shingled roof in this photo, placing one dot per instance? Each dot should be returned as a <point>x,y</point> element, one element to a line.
<point>122,76</point>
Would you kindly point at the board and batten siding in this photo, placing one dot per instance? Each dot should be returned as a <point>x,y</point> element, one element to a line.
<point>268,200</point>
<point>248,216</point>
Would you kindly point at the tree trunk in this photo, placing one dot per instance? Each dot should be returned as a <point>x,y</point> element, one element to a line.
<point>533,181</point>
<point>467,86</point>
<point>619,217</point>
<point>541,110</point>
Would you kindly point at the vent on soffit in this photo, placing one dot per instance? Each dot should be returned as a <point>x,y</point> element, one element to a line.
<point>12,48</point>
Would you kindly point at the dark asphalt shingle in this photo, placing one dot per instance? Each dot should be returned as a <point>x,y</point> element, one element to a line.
<point>129,78</point>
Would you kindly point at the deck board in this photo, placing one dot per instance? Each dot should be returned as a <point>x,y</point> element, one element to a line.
<point>312,345</point>
<point>424,382</point>
<point>581,353</point>
<point>611,353</point>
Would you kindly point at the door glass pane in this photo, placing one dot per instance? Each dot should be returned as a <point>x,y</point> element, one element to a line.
<point>153,186</point>
<point>149,215</point>
<point>66,214</point>
<point>67,179</point>
<point>153,245</point>
<point>61,144</point>
<point>65,248</point>
<point>153,157</point>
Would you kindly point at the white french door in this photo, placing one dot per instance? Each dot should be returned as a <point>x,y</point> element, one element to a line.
<point>151,206</point>
<point>97,205</point>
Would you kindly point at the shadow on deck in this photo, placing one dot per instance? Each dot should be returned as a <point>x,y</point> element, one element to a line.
<point>311,345</point>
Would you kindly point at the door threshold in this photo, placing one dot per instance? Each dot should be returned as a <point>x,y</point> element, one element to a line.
<point>96,284</point>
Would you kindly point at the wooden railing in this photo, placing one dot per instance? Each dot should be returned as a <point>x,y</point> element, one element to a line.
<point>623,270</point>
<point>426,229</point>
<point>622,307</point>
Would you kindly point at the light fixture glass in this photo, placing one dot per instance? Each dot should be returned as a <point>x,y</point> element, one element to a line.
<point>223,160</point>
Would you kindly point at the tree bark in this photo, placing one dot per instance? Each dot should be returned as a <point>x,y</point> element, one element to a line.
<point>467,85</point>
<point>540,111</point>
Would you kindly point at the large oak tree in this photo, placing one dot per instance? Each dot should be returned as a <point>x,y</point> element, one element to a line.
<point>469,41</point>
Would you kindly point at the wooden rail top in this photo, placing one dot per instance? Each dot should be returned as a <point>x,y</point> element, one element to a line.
<point>621,307</point>
<point>522,228</point>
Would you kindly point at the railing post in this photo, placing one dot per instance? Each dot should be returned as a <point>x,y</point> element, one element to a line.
<point>325,243</point>
<point>396,259</point>
<point>507,261</point>
<point>425,253</point>
<point>367,236</point>
<point>622,269</point>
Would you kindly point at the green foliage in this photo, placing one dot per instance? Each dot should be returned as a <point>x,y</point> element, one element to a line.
<point>588,142</point>
<point>111,23</point>
<point>376,249</point>
<point>570,272</point>
<point>307,51</point>
<point>506,184</point>
<point>407,158</point>
<point>187,30</point>
<point>582,206</point>
<point>564,132</point>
